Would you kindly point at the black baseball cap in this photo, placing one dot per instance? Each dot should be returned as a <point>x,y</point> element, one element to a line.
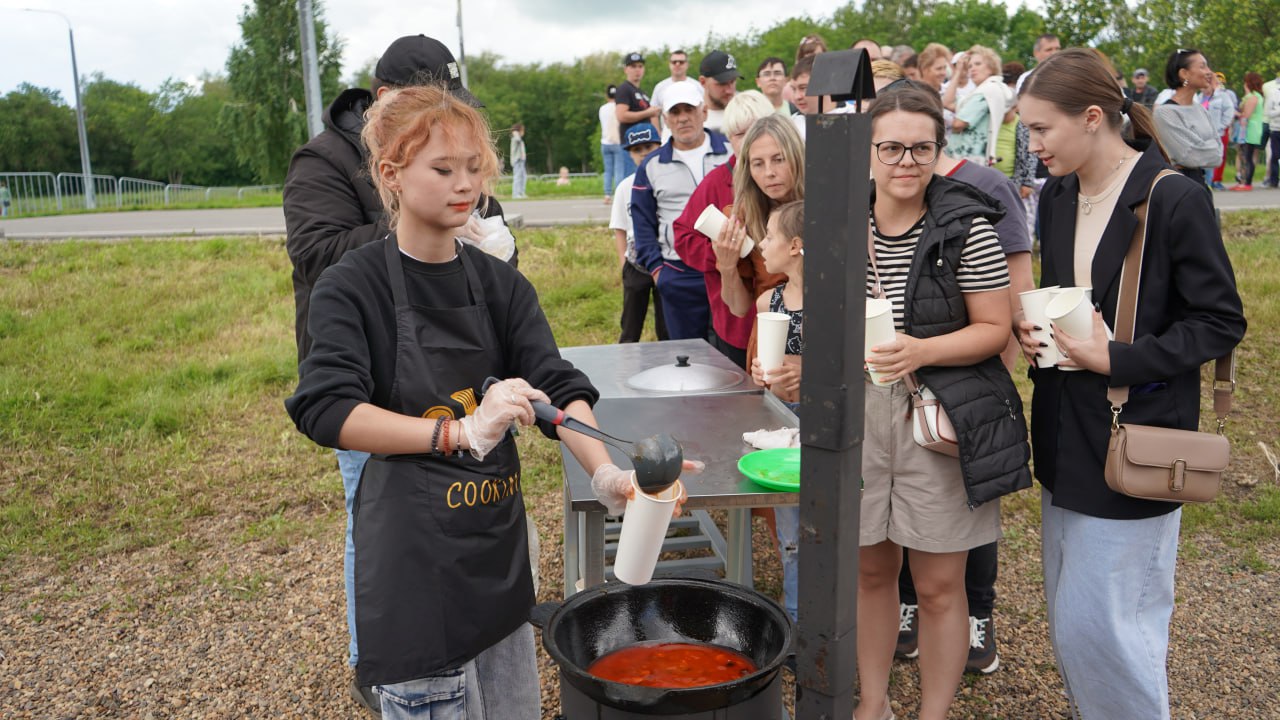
<point>633,58</point>
<point>420,60</point>
<point>719,66</point>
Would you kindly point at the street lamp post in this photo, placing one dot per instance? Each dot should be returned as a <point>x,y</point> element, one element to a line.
<point>90,201</point>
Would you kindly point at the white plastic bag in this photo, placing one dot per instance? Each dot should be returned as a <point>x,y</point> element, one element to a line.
<point>490,235</point>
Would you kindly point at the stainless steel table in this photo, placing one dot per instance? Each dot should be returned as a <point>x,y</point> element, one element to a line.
<point>610,366</point>
<point>710,428</point>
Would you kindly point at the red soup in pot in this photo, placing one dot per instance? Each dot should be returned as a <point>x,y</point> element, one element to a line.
<point>672,665</point>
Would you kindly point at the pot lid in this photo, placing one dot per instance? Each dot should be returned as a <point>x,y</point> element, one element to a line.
<point>684,376</point>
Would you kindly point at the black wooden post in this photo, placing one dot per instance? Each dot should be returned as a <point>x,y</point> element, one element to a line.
<point>837,195</point>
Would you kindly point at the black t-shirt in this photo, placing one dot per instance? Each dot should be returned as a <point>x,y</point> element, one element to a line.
<point>634,99</point>
<point>353,324</point>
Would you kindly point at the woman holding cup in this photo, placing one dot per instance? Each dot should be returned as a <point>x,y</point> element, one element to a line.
<point>442,573</point>
<point>934,254</point>
<point>1108,558</point>
<point>728,276</point>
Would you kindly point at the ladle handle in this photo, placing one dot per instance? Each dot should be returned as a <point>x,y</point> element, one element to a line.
<point>556,416</point>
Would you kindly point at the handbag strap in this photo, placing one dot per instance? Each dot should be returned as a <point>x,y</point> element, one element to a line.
<point>1224,371</point>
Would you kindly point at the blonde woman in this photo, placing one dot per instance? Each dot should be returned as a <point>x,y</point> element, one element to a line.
<point>975,131</point>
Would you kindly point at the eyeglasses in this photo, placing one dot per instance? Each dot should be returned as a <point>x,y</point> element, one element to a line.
<point>771,74</point>
<point>891,152</point>
<point>679,62</point>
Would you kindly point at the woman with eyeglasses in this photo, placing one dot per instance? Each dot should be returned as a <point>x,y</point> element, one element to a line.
<point>934,254</point>
<point>1186,130</point>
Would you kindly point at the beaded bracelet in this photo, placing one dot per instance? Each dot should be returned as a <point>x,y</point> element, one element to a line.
<point>435,435</point>
<point>445,436</point>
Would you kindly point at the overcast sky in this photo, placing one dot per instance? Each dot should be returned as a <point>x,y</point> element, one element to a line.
<point>146,41</point>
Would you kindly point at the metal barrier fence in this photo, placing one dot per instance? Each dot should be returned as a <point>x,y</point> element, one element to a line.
<point>44,193</point>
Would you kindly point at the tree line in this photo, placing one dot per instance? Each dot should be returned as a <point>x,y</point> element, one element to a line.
<point>241,127</point>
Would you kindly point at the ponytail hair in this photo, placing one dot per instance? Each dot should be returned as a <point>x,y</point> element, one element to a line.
<point>1076,78</point>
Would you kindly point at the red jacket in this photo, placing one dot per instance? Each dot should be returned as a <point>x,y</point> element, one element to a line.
<point>695,250</point>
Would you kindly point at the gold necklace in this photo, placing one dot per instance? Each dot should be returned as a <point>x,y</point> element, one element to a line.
<point>1087,202</point>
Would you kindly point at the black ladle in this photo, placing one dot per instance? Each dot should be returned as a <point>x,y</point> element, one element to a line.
<point>657,460</point>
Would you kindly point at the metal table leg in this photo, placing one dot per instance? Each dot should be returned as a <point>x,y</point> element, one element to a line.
<point>572,554</point>
<point>737,567</point>
<point>592,542</point>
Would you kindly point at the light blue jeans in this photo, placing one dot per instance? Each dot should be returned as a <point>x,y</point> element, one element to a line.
<point>613,165</point>
<point>351,465</point>
<point>1109,589</point>
<point>787,521</point>
<point>501,683</point>
<point>518,179</point>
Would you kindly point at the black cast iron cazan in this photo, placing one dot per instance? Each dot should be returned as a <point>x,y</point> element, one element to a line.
<point>608,617</point>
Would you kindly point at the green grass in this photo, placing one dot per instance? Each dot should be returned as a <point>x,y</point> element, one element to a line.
<point>577,187</point>
<point>141,389</point>
<point>107,204</point>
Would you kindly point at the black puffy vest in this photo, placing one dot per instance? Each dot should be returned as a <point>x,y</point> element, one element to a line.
<point>981,400</point>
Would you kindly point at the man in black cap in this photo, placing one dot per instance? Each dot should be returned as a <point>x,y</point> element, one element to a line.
<point>719,77</point>
<point>633,105</point>
<point>331,206</point>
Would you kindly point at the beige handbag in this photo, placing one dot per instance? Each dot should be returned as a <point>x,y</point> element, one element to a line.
<point>1156,463</point>
<point>930,426</point>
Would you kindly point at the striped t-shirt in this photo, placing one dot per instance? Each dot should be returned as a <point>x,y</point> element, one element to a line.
<point>982,263</point>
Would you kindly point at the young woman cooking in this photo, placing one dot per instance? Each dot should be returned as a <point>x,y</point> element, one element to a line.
<point>938,260</point>
<point>1108,558</point>
<point>406,332</point>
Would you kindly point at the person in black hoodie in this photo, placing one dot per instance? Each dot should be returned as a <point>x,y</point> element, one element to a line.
<point>331,206</point>
<point>407,331</point>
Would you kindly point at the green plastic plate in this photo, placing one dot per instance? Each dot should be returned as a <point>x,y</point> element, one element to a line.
<point>777,469</point>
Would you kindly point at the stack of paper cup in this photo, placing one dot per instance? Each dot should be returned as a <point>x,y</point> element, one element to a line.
<point>1071,309</point>
<point>644,527</point>
<point>771,339</point>
<point>879,331</point>
<point>1033,305</point>
<point>711,221</point>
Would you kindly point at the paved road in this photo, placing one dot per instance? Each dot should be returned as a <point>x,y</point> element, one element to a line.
<point>270,221</point>
<point>256,221</point>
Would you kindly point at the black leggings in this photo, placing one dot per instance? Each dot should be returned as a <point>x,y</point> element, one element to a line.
<point>1247,163</point>
<point>979,581</point>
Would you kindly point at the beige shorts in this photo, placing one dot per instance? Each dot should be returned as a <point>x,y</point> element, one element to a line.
<point>912,496</point>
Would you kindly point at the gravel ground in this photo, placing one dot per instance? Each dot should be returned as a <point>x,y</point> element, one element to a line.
<point>214,628</point>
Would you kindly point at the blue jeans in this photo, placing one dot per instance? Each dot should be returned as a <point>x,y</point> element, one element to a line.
<point>518,179</point>
<point>1108,585</point>
<point>500,683</point>
<point>613,165</point>
<point>787,521</point>
<point>351,465</point>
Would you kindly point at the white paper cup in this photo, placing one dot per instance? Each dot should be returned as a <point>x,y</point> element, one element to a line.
<point>644,527</point>
<point>712,221</point>
<point>879,330</point>
<point>1034,303</point>
<point>1072,311</point>
<point>771,339</point>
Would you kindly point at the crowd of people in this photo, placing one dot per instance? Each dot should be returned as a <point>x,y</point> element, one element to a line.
<point>401,319</point>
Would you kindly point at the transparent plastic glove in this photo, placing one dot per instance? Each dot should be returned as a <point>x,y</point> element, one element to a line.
<point>504,402</point>
<point>613,487</point>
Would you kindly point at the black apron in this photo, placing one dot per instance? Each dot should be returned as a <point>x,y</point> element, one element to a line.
<point>441,555</point>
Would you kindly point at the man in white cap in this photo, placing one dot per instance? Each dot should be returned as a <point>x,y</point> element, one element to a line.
<point>661,189</point>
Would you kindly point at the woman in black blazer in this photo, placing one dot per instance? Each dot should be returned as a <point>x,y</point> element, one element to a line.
<point>1109,559</point>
